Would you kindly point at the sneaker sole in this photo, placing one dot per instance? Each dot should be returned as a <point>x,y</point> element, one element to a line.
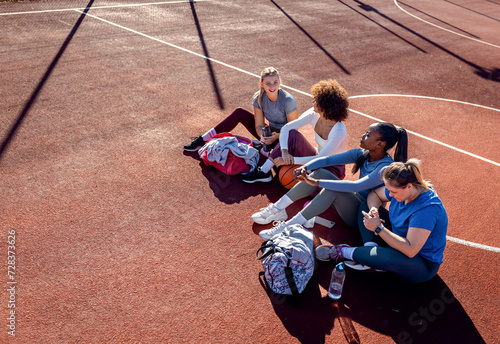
<point>193,149</point>
<point>356,266</point>
<point>265,237</point>
<point>318,258</point>
<point>264,180</point>
<point>264,222</point>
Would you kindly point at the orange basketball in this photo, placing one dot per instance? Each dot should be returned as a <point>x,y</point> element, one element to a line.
<point>286,175</point>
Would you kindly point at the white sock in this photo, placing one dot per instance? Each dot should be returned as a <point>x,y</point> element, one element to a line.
<point>283,202</point>
<point>371,243</point>
<point>267,166</point>
<point>297,220</point>
<point>208,135</point>
<point>347,252</point>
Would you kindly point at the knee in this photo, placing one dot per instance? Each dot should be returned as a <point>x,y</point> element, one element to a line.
<point>362,207</point>
<point>239,112</point>
<point>294,136</point>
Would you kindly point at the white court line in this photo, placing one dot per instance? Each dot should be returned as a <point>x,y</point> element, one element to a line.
<point>100,7</point>
<point>425,137</point>
<point>464,242</point>
<point>473,244</point>
<point>424,97</point>
<point>442,28</point>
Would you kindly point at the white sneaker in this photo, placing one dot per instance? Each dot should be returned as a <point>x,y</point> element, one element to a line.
<point>279,226</point>
<point>269,214</point>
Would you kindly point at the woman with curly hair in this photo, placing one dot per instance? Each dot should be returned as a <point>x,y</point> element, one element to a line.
<point>326,117</point>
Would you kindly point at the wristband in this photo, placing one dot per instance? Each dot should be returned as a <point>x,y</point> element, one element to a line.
<point>378,229</point>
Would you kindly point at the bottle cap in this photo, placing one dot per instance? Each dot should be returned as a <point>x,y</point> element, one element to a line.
<point>340,266</point>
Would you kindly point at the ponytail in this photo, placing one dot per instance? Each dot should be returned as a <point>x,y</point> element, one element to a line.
<point>400,174</point>
<point>401,152</point>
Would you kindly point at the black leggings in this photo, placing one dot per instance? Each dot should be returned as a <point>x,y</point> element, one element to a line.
<point>414,270</point>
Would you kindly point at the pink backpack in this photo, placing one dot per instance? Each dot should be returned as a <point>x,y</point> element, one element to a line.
<point>234,165</point>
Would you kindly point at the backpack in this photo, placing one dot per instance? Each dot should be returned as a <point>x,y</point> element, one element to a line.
<point>233,164</point>
<point>288,260</point>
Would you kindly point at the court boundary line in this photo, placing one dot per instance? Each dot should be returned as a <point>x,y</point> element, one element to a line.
<point>460,241</point>
<point>101,7</point>
<point>442,28</point>
<point>426,137</point>
<point>473,244</point>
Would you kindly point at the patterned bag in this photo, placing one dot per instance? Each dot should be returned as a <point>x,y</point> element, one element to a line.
<point>288,260</point>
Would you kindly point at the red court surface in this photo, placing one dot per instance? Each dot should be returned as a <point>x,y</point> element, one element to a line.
<point>121,237</point>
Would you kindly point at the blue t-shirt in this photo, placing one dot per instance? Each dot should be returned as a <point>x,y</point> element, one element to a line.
<point>276,112</point>
<point>369,173</point>
<point>426,211</point>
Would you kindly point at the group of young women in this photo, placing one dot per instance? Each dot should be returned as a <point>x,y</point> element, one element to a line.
<point>408,239</point>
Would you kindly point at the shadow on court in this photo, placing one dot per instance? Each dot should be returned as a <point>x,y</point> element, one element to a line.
<point>344,69</point>
<point>215,84</point>
<point>408,313</point>
<point>480,71</point>
<point>24,112</point>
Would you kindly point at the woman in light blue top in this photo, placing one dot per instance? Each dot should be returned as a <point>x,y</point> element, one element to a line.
<point>344,195</point>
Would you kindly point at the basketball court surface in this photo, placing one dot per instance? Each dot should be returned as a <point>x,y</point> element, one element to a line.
<point>111,233</point>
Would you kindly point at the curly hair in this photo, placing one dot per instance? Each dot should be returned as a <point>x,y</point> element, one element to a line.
<point>331,98</point>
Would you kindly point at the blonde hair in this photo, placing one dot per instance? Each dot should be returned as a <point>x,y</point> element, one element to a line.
<point>400,174</point>
<point>266,72</point>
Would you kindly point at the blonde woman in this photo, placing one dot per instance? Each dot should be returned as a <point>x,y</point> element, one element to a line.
<point>271,103</point>
<point>412,234</point>
<point>326,117</point>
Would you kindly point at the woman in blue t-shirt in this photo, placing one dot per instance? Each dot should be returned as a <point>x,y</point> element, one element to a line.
<point>344,195</point>
<point>414,232</point>
<point>270,103</point>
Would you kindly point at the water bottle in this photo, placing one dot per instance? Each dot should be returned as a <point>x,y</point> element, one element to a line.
<point>337,282</point>
<point>266,132</point>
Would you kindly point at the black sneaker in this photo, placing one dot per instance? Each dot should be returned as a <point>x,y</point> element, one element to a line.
<point>195,145</point>
<point>257,176</point>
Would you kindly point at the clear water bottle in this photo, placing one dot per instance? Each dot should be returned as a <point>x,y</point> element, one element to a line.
<point>337,282</point>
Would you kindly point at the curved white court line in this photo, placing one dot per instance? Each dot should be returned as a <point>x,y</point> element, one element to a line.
<point>442,28</point>
<point>464,242</point>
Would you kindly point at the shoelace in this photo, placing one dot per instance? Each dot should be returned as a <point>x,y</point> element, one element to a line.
<point>278,223</point>
<point>277,227</point>
<point>267,210</point>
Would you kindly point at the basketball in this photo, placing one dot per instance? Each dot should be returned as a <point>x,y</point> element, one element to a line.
<point>286,175</point>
